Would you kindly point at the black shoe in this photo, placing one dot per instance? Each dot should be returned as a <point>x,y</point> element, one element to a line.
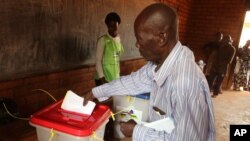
<point>214,96</point>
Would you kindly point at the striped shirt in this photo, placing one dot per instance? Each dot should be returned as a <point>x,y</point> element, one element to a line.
<point>179,89</point>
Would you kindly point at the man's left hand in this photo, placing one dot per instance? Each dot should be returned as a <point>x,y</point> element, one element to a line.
<point>127,128</point>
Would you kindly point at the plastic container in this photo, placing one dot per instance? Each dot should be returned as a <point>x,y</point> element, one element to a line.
<point>56,124</point>
<point>139,103</point>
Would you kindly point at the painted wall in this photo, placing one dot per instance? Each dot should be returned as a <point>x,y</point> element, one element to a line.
<point>43,36</point>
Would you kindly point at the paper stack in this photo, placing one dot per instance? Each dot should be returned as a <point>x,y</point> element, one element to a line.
<point>166,124</point>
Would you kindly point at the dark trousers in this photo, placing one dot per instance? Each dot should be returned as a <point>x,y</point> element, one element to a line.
<point>215,77</point>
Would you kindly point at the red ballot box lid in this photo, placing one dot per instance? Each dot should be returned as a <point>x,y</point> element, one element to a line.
<point>70,122</point>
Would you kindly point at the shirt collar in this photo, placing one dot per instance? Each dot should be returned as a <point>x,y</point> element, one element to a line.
<point>116,38</point>
<point>167,66</point>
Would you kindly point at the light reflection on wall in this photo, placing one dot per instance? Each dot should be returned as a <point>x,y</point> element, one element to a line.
<point>245,30</point>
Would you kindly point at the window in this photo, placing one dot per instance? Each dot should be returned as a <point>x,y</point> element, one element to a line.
<point>245,33</point>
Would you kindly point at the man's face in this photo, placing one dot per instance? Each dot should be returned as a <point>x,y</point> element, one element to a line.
<point>113,28</point>
<point>147,44</point>
<point>218,37</point>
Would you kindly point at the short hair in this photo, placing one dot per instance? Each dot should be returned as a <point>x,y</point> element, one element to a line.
<point>112,16</point>
<point>218,34</point>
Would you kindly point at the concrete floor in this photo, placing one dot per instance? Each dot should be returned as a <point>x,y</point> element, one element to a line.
<point>231,107</point>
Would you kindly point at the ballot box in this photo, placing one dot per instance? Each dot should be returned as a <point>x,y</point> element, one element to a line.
<point>55,124</point>
<point>130,107</point>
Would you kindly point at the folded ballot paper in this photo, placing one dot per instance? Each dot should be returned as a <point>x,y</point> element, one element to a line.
<point>74,103</point>
<point>165,124</point>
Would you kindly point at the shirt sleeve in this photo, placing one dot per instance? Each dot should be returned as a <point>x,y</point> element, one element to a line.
<point>99,55</point>
<point>136,83</point>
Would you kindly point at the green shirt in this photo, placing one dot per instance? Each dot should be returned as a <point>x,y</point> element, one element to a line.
<point>111,58</point>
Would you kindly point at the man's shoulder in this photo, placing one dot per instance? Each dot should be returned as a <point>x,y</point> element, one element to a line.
<point>207,45</point>
<point>211,46</point>
<point>231,48</point>
<point>101,37</point>
<point>212,43</point>
<point>227,50</point>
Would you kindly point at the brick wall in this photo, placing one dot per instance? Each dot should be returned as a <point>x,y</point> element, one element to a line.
<point>201,19</point>
<point>24,91</point>
<point>183,10</point>
<point>210,16</point>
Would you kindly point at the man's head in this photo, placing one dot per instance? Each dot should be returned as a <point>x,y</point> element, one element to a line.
<point>247,43</point>
<point>227,39</point>
<point>218,36</point>
<point>112,21</point>
<point>156,31</point>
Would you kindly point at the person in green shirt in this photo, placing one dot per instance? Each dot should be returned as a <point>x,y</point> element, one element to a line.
<point>108,51</point>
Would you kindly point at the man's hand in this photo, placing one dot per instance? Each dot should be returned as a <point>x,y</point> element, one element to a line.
<point>89,96</point>
<point>103,80</point>
<point>100,81</point>
<point>127,128</point>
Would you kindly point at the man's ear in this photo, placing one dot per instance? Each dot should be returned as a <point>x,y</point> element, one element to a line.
<point>163,39</point>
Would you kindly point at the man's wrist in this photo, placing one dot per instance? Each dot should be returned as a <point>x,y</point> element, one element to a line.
<point>97,92</point>
<point>103,80</point>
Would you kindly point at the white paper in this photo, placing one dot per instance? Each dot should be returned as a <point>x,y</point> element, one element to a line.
<point>73,102</point>
<point>165,124</point>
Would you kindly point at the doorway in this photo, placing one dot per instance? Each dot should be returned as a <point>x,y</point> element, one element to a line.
<point>245,33</point>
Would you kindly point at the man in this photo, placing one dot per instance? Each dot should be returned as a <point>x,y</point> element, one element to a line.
<point>224,57</point>
<point>177,85</point>
<point>108,51</point>
<point>210,50</point>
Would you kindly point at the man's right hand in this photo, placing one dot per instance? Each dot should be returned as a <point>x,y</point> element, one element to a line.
<point>89,96</point>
